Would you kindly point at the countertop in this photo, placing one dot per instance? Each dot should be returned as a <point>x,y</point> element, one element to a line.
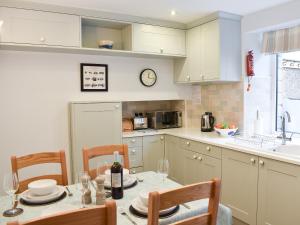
<point>213,138</point>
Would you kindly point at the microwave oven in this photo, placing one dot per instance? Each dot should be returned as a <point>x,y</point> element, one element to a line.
<point>164,119</point>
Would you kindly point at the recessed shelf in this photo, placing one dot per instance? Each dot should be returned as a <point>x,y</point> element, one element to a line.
<point>94,30</point>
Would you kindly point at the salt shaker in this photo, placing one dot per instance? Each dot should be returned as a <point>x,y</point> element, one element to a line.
<point>87,194</point>
<point>100,192</point>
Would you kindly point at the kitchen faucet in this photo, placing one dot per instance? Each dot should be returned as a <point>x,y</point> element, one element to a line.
<point>283,128</point>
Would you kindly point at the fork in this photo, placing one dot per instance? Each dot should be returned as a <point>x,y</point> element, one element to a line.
<point>123,212</point>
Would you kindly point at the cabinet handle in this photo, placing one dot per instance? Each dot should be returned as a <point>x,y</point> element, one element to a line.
<point>117,106</point>
<point>42,39</point>
<point>202,77</point>
<point>252,160</point>
<point>133,151</point>
<point>208,148</point>
<point>261,162</point>
<point>133,171</point>
<point>188,143</point>
<point>200,158</point>
<point>161,50</point>
<point>188,78</point>
<point>133,140</point>
<point>162,138</point>
<point>194,157</point>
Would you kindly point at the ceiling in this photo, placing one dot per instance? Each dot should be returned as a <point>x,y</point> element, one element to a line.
<point>186,10</point>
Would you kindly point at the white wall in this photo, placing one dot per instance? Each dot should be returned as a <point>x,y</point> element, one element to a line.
<point>262,93</point>
<point>35,89</point>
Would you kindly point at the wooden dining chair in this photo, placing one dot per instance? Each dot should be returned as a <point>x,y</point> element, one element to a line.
<point>89,153</point>
<point>99,215</point>
<point>18,163</point>
<point>164,200</point>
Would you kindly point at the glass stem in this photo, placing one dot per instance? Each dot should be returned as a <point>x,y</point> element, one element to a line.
<point>13,200</point>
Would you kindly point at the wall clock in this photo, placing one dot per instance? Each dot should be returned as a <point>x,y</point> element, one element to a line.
<point>148,77</point>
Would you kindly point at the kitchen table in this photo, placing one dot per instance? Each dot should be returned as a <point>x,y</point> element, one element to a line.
<point>150,180</point>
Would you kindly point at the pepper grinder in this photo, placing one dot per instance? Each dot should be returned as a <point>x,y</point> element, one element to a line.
<point>100,192</point>
<point>87,194</point>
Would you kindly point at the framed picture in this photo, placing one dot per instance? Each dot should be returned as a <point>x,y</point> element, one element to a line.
<point>94,77</point>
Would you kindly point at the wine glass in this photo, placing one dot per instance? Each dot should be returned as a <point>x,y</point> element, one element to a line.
<point>101,167</point>
<point>11,186</point>
<point>163,168</point>
<point>82,184</point>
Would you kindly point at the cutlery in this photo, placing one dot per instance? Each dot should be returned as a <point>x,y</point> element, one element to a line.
<point>123,212</point>
<point>186,206</point>
<point>70,194</point>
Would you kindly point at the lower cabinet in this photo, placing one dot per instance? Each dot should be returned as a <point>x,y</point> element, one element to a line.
<point>239,184</point>
<point>153,150</point>
<point>199,167</point>
<point>174,154</point>
<point>278,193</point>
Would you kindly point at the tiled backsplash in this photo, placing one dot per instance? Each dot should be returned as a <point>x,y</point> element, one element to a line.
<point>129,108</point>
<point>225,101</point>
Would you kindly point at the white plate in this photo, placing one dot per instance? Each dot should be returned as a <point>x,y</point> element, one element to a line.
<point>141,208</point>
<point>29,197</point>
<point>126,183</point>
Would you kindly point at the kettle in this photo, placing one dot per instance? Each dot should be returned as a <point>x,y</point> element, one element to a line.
<point>207,122</point>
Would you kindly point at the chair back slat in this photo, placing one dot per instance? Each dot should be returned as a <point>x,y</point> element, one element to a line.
<point>163,200</point>
<point>186,194</point>
<point>18,163</point>
<point>99,215</point>
<point>90,153</point>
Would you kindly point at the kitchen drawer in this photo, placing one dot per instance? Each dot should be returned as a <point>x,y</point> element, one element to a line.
<point>135,156</point>
<point>136,170</point>
<point>133,142</point>
<point>210,150</point>
<point>190,145</point>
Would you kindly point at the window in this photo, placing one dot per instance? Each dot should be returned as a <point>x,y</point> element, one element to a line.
<point>288,90</point>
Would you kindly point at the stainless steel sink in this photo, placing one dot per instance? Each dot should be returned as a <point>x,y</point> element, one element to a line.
<point>288,150</point>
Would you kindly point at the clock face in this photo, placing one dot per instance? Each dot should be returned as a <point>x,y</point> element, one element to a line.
<point>148,77</point>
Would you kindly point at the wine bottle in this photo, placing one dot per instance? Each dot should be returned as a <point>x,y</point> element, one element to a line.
<point>116,178</point>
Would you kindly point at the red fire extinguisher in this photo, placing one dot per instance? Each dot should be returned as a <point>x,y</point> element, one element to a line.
<point>250,67</point>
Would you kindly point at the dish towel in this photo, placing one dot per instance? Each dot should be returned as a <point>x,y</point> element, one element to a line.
<point>224,215</point>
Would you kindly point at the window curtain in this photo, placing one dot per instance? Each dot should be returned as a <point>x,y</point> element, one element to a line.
<point>281,41</point>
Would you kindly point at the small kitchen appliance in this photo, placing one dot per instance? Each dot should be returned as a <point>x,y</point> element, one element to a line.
<point>164,119</point>
<point>207,122</point>
<point>140,121</point>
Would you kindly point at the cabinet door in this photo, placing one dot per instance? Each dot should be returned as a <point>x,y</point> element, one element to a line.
<point>174,154</point>
<point>94,124</point>
<point>278,193</point>
<point>239,184</point>
<point>192,168</point>
<point>135,156</point>
<point>153,150</point>
<point>194,54</point>
<point>210,51</point>
<point>41,28</point>
<point>210,168</point>
<point>156,39</point>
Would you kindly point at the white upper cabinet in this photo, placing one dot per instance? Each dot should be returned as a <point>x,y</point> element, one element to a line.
<point>213,53</point>
<point>156,39</point>
<point>22,26</point>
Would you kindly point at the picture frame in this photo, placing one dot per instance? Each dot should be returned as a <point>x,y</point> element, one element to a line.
<point>94,77</point>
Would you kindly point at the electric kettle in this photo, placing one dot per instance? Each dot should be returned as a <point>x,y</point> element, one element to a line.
<point>207,122</point>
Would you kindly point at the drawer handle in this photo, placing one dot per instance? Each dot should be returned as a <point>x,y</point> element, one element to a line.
<point>133,171</point>
<point>133,140</point>
<point>194,157</point>
<point>208,148</point>
<point>42,39</point>
<point>161,50</point>
<point>117,106</point>
<point>188,143</point>
<point>252,160</point>
<point>133,151</point>
<point>188,77</point>
<point>261,162</point>
<point>200,158</point>
<point>162,138</point>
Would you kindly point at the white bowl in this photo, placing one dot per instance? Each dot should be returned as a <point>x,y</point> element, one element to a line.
<point>144,196</point>
<point>226,132</point>
<point>42,187</point>
<point>105,44</point>
<point>125,174</point>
